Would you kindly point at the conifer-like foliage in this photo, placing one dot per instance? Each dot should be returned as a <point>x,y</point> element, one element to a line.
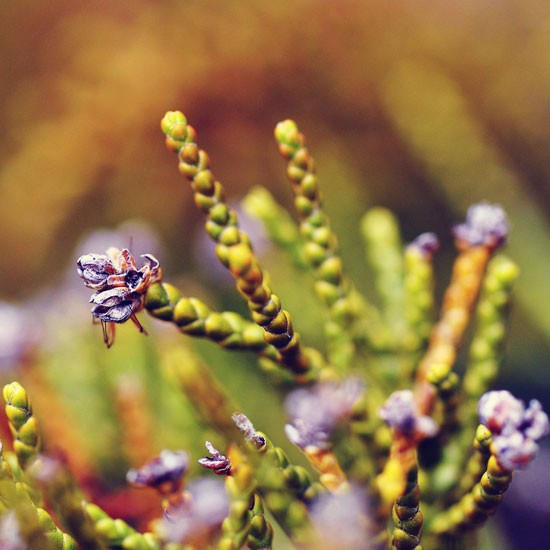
<point>400,450</point>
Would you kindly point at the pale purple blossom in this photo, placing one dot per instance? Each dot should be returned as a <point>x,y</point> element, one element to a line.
<point>500,411</point>
<point>10,533</point>
<point>317,411</point>
<point>486,225</point>
<point>401,413</point>
<point>535,421</point>
<point>164,473</point>
<point>205,507</point>
<point>45,469</point>
<point>18,334</point>
<point>515,428</point>
<point>426,244</point>
<point>304,435</point>
<point>514,451</point>
<point>341,520</point>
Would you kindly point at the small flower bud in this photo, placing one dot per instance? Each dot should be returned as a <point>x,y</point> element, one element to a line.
<point>219,463</point>
<point>250,434</point>
<point>515,429</point>
<point>426,244</point>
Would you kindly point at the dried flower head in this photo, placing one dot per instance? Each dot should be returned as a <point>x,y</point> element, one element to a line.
<point>400,413</point>
<point>515,429</point>
<point>219,463</point>
<point>120,286</point>
<point>115,305</point>
<point>18,334</point>
<point>164,473</point>
<point>95,270</point>
<point>486,225</point>
<point>245,425</point>
<point>426,244</point>
<point>316,412</point>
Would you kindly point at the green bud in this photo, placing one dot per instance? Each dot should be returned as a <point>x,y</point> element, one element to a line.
<point>203,183</point>
<point>309,187</point>
<point>174,124</point>
<point>303,206</point>
<point>15,394</point>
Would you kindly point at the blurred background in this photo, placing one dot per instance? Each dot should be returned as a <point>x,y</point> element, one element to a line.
<point>422,107</point>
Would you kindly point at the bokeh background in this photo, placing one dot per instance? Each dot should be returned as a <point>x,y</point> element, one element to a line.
<point>423,107</point>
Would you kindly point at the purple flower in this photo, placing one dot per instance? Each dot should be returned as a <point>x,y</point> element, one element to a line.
<point>426,243</point>
<point>341,520</point>
<point>217,462</point>
<point>317,411</point>
<point>18,334</point>
<point>515,429</point>
<point>206,506</point>
<point>535,421</point>
<point>486,225</point>
<point>514,451</point>
<point>304,435</point>
<point>164,473</point>
<point>11,533</point>
<point>500,411</point>
<point>400,412</point>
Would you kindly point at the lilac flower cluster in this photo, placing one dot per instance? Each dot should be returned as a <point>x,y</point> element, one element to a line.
<point>485,225</point>
<point>400,412</point>
<point>164,473</point>
<point>341,520</point>
<point>316,412</point>
<point>201,513</point>
<point>515,428</point>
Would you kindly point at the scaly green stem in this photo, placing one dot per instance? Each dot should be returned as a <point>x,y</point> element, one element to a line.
<point>235,250</point>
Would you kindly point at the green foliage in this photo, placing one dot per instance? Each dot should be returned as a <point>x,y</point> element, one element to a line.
<point>380,411</point>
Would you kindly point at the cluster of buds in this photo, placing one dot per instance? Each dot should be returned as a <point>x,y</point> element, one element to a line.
<point>120,286</point>
<point>485,225</point>
<point>515,428</point>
